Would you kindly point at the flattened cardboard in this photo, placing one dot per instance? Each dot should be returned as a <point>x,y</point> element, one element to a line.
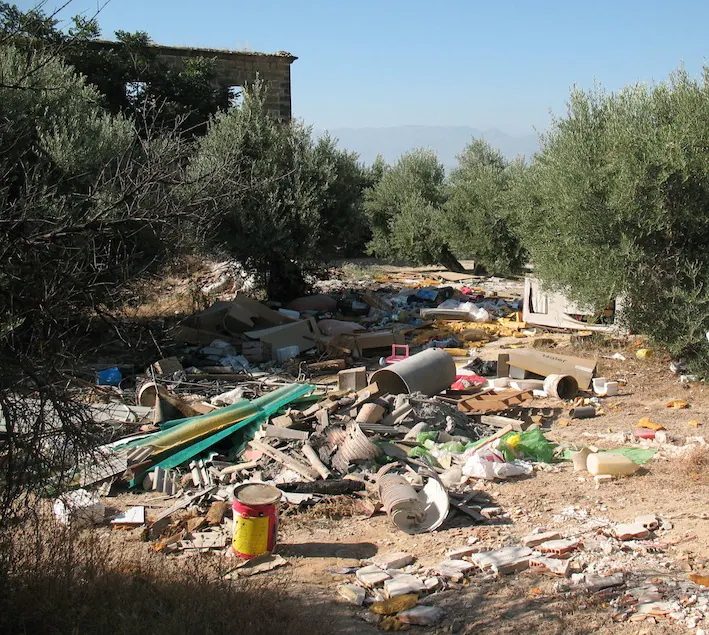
<point>545,363</point>
<point>246,314</point>
<point>361,343</point>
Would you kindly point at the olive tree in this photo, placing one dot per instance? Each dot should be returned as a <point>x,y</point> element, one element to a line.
<point>405,211</point>
<point>617,203</point>
<point>480,218</point>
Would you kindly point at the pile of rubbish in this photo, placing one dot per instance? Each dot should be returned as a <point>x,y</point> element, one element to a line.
<point>376,394</point>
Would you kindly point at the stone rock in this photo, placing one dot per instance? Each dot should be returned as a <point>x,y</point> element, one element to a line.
<point>422,615</point>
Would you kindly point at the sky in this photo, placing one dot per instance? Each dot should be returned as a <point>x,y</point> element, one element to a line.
<point>376,63</point>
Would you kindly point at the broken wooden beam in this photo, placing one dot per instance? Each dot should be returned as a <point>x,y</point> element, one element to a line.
<point>308,473</point>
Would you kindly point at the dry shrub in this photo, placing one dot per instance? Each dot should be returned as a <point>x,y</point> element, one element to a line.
<point>332,508</point>
<point>696,462</point>
<point>56,580</point>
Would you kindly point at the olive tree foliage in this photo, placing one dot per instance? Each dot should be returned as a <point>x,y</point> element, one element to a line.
<point>480,219</point>
<point>617,203</point>
<point>86,203</point>
<point>278,201</point>
<point>405,211</point>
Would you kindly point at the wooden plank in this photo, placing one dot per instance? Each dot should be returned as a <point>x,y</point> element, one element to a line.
<point>500,422</point>
<point>304,470</point>
<point>277,432</point>
<point>499,434</point>
<point>492,402</point>
<point>468,511</point>
<point>182,504</point>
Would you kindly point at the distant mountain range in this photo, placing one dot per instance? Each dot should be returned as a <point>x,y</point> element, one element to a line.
<point>446,141</point>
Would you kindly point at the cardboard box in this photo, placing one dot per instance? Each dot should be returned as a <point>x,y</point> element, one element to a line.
<point>304,334</point>
<point>363,344</point>
<point>544,363</point>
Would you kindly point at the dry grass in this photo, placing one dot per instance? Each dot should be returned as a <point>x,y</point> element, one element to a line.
<point>696,463</point>
<point>54,580</point>
<point>332,508</point>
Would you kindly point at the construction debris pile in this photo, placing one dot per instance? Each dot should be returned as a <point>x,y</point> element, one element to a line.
<point>376,393</point>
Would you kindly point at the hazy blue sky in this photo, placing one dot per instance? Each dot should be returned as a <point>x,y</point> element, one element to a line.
<point>486,64</point>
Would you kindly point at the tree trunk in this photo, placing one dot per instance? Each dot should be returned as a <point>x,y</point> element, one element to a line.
<point>450,262</point>
<point>285,282</point>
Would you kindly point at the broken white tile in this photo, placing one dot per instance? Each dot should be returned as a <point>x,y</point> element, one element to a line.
<point>462,552</point>
<point>402,585</point>
<point>654,608</point>
<point>371,576</point>
<point>595,582</point>
<point>552,565</point>
<point>454,569</point>
<point>631,531</point>
<point>650,521</point>
<point>132,516</point>
<point>503,561</point>
<point>392,560</point>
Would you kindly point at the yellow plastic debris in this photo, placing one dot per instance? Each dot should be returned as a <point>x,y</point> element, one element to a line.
<point>395,605</point>
<point>393,624</point>
<point>644,353</point>
<point>513,441</point>
<point>694,423</point>
<point>701,580</point>
<point>646,423</point>
<point>563,422</point>
<point>457,352</point>
<point>677,403</point>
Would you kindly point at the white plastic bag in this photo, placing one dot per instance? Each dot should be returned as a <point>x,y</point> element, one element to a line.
<point>490,466</point>
<point>477,314</point>
<point>79,509</point>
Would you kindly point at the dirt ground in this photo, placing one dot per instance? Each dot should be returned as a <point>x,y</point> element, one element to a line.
<point>319,546</point>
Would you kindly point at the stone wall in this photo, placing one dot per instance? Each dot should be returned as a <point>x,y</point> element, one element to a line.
<point>237,68</point>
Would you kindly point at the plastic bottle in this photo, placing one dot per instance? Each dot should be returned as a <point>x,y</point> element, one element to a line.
<point>610,463</point>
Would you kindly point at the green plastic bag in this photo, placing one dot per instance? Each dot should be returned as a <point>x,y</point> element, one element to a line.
<point>422,437</point>
<point>532,445</point>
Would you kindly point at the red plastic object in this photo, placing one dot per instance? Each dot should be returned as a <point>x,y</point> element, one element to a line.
<point>643,433</point>
<point>476,380</point>
<point>397,356</point>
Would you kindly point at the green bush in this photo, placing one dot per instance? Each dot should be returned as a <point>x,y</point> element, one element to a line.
<point>479,215</point>
<point>616,203</point>
<point>86,205</point>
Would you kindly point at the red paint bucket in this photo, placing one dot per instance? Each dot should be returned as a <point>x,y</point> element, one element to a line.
<point>255,519</point>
